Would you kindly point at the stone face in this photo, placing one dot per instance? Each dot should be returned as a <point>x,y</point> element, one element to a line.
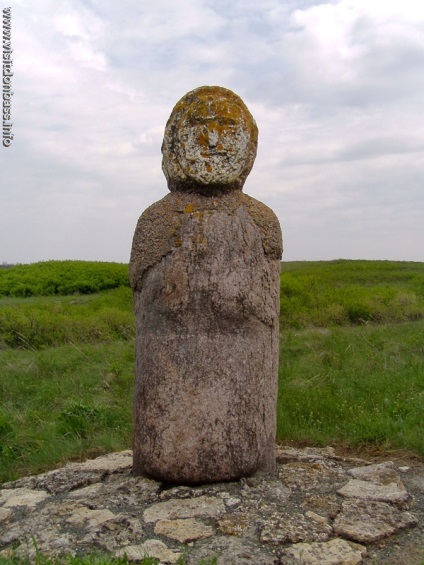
<point>210,141</point>
<point>204,270</point>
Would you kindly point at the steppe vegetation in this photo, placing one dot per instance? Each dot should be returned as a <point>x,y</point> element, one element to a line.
<point>41,559</point>
<point>351,364</point>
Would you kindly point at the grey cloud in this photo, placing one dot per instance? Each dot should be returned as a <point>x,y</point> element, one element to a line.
<point>341,136</point>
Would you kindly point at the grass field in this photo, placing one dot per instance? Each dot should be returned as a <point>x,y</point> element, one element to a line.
<point>339,293</point>
<point>351,363</point>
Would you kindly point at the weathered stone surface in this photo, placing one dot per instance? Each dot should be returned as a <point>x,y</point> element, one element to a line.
<point>309,476</point>
<point>210,141</point>
<point>266,490</point>
<point>150,548</point>
<point>93,518</point>
<point>183,530</point>
<point>160,226</point>
<point>394,492</point>
<point>231,551</point>
<point>119,462</point>
<point>186,508</point>
<point>204,270</point>
<point>108,534</point>
<point>333,552</point>
<point>76,475</point>
<point>235,524</point>
<point>294,528</point>
<point>5,513</point>
<point>308,454</point>
<point>119,489</point>
<point>328,505</point>
<point>368,521</point>
<point>286,454</point>
<point>380,473</point>
<point>22,497</point>
<point>254,520</point>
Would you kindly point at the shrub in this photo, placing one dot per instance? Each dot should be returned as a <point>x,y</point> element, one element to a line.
<point>62,278</point>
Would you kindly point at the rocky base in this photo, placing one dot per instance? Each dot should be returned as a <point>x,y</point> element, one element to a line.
<point>318,508</point>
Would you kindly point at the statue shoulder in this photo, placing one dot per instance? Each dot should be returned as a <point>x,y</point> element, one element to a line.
<point>156,234</point>
<point>268,224</point>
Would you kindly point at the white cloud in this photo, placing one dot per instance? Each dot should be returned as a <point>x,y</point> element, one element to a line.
<point>336,88</point>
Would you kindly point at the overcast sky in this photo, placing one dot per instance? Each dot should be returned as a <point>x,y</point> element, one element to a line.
<point>336,88</point>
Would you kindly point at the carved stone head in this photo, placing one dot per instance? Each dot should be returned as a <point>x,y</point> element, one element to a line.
<point>210,142</point>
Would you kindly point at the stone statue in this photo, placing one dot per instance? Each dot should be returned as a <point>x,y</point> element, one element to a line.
<point>204,269</point>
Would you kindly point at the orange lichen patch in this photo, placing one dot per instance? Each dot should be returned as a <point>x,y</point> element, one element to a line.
<point>210,141</point>
<point>202,138</point>
<point>188,208</point>
<point>218,126</point>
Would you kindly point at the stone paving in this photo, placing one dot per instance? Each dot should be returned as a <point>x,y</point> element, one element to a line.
<point>317,508</point>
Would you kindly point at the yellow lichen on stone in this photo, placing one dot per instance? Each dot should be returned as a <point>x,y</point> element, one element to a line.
<point>188,208</point>
<point>210,142</point>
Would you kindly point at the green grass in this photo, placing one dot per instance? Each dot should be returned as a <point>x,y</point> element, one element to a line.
<point>63,403</point>
<point>61,278</point>
<point>67,363</point>
<point>38,322</point>
<point>328,293</point>
<point>353,386</point>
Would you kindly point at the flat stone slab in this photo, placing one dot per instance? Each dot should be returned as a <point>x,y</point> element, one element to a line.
<point>5,514</point>
<point>394,493</point>
<point>367,521</point>
<point>186,508</point>
<point>296,527</point>
<point>92,518</point>
<point>184,531</point>
<point>334,552</point>
<point>22,497</point>
<point>150,548</point>
<point>311,510</point>
<point>379,473</point>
